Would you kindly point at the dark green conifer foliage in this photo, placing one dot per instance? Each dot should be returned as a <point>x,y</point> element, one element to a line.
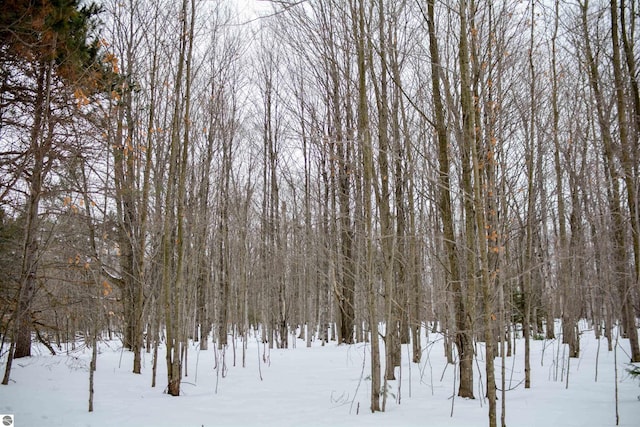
<point>50,57</point>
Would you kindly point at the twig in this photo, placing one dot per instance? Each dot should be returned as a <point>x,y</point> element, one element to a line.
<point>511,388</point>
<point>615,370</point>
<point>364,361</point>
<point>258,349</point>
<point>453,396</point>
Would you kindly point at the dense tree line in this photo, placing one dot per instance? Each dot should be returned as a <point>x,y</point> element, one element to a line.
<point>335,170</point>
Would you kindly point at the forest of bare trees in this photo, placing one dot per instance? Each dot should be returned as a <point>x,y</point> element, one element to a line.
<point>333,170</point>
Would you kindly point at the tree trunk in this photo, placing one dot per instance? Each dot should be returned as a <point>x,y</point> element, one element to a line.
<point>364,139</point>
<point>173,241</point>
<point>40,145</point>
<point>627,163</point>
<point>463,335</point>
<point>562,222</point>
<point>465,298</point>
<point>621,276</point>
<point>383,195</point>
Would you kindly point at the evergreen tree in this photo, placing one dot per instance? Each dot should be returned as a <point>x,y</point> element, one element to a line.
<point>49,57</point>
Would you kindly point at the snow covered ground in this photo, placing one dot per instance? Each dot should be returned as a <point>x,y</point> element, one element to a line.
<point>317,386</point>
